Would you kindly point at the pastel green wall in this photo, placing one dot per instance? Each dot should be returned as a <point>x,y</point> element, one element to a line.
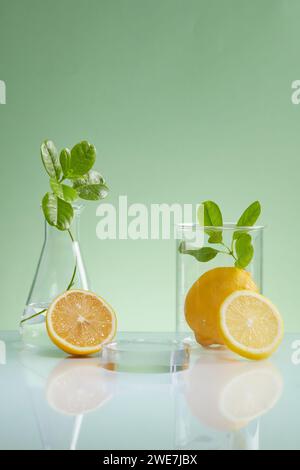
<point>184,99</point>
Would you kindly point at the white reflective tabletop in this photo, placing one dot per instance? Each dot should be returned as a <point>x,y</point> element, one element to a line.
<point>213,400</point>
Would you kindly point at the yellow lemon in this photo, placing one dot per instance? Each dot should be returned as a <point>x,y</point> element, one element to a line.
<point>205,297</point>
<point>80,322</point>
<point>250,325</point>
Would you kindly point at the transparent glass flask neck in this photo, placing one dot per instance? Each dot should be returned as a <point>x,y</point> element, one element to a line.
<point>60,268</point>
<point>53,235</point>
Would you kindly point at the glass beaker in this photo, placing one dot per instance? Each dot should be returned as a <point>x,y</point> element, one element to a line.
<point>192,264</point>
<point>60,268</point>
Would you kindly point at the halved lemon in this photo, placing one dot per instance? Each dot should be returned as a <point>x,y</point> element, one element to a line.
<point>250,324</point>
<point>79,322</point>
<point>203,300</point>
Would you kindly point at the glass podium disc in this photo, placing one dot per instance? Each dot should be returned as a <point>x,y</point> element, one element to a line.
<point>146,353</point>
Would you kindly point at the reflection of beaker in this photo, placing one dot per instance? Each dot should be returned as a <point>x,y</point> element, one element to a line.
<point>60,267</point>
<point>225,396</point>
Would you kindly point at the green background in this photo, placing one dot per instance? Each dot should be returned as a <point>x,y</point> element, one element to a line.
<point>185,100</point>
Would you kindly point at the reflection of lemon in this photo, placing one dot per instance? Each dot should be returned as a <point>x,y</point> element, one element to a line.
<point>251,394</point>
<point>203,301</point>
<point>226,395</point>
<point>250,324</point>
<point>80,322</point>
<point>77,386</point>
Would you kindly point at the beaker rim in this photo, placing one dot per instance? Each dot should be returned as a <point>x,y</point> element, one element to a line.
<point>230,226</point>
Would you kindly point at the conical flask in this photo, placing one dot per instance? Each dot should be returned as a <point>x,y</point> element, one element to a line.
<point>60,268</point>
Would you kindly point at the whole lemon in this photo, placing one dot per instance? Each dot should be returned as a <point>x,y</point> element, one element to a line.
<point>205,297</point>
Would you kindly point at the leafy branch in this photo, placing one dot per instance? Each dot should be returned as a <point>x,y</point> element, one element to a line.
<point>70,177</point>
<point>74,167</point>
<point>241,247</point>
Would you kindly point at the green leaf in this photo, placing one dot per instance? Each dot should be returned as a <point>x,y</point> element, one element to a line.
<point>83,156</point>
<point>58,212</point>
<point>77,162</point>
<point>65,161</point>
<point>91,186</point>
<point>63,191</point>
<point>50,159</point>
<point>244,250</point>
<point>212,217</point>
<point>250,215</point>
<point>248,218</point>
<point>202,254</point>
<point>92,177</point>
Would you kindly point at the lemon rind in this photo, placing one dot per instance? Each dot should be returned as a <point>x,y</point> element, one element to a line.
<point>236,346</point>
<point>69,347</point>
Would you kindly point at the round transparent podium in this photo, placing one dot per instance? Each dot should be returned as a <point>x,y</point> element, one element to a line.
<point>146,353</point>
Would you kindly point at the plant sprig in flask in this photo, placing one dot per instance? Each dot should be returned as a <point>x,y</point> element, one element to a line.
<point>71,176</point>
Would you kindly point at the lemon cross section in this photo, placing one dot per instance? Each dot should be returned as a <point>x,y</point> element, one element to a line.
<point>250,325</point>
<point>79,322</point>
